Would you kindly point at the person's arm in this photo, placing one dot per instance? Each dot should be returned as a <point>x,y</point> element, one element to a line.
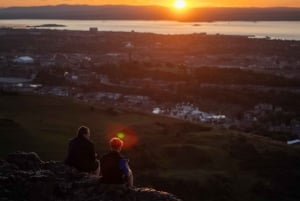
<point>124,166</point>
<point>92,153</point>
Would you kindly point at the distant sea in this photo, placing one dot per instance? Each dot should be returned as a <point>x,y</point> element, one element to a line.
<point>286,30</point>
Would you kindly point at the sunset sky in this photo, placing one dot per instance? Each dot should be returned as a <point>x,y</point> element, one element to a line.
<point>190,3</point>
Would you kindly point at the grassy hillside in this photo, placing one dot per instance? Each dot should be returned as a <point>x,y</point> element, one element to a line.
<point>195,162</point>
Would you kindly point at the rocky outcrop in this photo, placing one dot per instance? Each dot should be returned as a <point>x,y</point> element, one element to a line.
<point>24,176</point>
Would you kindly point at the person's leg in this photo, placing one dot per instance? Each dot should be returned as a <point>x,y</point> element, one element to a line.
<point>97,171</point>
<point>98,168</point>
<point>130,178</point>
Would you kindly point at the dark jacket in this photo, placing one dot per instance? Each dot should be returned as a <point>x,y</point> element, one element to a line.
<point>81,155</point>
<point>111,168</point>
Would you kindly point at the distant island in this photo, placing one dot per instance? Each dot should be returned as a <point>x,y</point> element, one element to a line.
<point>125,12</point>
<point>49,25</point>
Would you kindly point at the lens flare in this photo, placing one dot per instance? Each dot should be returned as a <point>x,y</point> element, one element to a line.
<point>121,135</point>
<point>123,132</point>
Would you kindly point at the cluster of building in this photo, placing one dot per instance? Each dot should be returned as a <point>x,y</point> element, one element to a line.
<point>72,71</point>
<point>188,111</point>
<point>124,100</point>
<point>270,119</point>
<point>245,61</point>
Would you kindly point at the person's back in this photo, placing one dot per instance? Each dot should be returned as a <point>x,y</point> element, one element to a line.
<point>110,170</point>
<point>81,153</point>
<point>114,168</point>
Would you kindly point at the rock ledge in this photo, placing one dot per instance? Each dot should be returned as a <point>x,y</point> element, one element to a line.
<point>24,176</point>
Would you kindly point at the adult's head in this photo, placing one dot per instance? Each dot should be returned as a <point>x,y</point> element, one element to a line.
<point>116,144</point>
<point>84,131</point>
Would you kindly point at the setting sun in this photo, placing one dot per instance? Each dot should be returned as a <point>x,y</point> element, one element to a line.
<point>179,4</point>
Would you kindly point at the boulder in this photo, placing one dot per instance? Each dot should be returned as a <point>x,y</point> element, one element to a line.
<point>25,161</point>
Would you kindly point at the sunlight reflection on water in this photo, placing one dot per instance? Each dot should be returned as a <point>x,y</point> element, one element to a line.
<point>275,29</point>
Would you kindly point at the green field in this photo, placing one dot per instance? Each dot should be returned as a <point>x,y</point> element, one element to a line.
<point>195,162</point>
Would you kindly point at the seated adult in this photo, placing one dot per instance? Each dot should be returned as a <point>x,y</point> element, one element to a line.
<point>81,153</point>
<point>114,167</point>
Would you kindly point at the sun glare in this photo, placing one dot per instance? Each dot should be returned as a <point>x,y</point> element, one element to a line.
<point>179,4</point>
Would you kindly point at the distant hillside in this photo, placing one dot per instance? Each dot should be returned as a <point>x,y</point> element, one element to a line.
<point>148,13</point>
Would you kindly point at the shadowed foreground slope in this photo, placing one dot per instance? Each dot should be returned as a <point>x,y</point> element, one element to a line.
<point>23,176</point>
<point>196,162</point>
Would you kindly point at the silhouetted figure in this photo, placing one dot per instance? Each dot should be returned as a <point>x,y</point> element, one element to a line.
<point>114,167</point>
<point>81,153</point>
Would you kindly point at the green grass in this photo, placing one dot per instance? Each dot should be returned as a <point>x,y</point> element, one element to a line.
<point>196,162</point>
<point>47,123</point>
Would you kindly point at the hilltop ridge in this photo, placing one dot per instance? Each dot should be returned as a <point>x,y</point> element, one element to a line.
<point>194,161</point>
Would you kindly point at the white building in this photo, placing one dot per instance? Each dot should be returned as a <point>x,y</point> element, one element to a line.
<point>24,60</point>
